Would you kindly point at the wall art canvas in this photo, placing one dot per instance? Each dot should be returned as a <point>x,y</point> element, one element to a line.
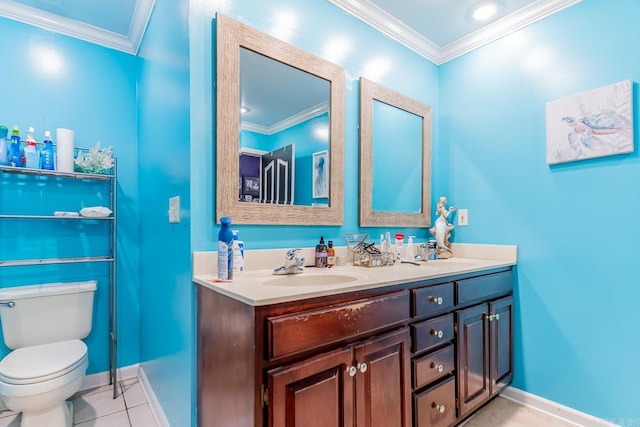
<point>320,174</point>
<point>592,124</point>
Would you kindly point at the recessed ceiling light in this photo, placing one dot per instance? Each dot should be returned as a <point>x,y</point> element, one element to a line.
<point>484,11</point>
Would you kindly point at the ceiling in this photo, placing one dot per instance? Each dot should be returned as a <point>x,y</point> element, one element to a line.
<point>117,24</point>
<point>439,30</point>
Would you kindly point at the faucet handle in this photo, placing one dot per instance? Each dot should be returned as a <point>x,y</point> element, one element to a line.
<point>293,253</point>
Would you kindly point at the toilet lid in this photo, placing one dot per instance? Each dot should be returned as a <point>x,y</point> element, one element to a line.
<point>42,362</point>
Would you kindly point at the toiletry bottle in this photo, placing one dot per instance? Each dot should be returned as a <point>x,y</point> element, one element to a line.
<point>238,261</point>
<point>31,151</point>
<point>15,158</point>
<point>4,146</point>
<point>46,154</point>
<point>331,254</point>
<point>409,252</point>
<point>388,249</point>
<point>399,251</point>
<point>321,254</point>
<point>225,250</point>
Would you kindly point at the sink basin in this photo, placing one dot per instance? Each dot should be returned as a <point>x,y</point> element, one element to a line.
<point>311,279</point>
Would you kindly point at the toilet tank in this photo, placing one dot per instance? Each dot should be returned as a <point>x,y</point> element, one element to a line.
<point>46,313</point>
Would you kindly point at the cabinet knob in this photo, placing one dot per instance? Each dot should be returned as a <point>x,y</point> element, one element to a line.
<point>362,367</point>
<point>439,408</point>
<point>351,370</point>
<point>438,368</point>
<point>437,300</point>
<point>438,334</point>
<point>496,316</point>
<point>489,317</point>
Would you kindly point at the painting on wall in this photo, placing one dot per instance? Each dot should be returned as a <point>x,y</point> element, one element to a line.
<point>591,124</point>
<point>320,174</point>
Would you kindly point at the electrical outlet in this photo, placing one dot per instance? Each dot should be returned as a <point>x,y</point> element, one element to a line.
<point>463,217</point>
<point>174,210</point>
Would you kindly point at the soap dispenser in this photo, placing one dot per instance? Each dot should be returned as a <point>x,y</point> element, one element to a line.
<point>409,252</point>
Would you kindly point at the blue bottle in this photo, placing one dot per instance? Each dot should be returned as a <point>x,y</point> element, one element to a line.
<point>4,146</point>
<point>46,154</point>
<point>15,154</point>
<point>225,250</point>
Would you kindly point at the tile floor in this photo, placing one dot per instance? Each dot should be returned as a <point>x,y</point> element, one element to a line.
<point>501,412</point>
<point>97,408</point>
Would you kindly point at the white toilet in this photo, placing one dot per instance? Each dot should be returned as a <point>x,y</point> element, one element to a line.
<point>43,325</point>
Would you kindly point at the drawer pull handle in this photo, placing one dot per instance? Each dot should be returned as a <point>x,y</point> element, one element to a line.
<point>439,408</point>
<point>351,370</point>
<point>436,300</point>
<point>362,367</point>
<point>438,334</point>
<point>438,368</point>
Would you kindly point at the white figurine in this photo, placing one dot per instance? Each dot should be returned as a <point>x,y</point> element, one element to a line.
<point>442,229</point>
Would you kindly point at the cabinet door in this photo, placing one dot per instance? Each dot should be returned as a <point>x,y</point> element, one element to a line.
<point>501,343</point>
<point>473,357</point>
<point>383,388</point>
<point>317,392</point>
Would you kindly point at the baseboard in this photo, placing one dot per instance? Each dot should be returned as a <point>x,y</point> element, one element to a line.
<point>156,409</point>
<point>554,409</point>
<point>128,372</point>
<point>102,378</point>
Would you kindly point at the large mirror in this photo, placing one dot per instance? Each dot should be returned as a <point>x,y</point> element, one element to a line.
<point>395,158</point>
<point>280,131</point>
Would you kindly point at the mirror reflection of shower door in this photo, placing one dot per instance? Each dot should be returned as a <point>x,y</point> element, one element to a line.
<point>278,171</point>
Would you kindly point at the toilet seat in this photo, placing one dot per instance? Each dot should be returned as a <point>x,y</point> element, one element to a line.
<point>35,364</point>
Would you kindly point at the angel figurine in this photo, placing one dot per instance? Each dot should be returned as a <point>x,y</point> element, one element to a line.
<point>442,229</point>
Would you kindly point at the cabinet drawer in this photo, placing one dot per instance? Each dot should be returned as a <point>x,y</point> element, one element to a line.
<point>436,407</point>
<point>432,333</point>
<point>432,300</point>
<point>434,365</point>
<point>296,332</point>
<point>484,287</point>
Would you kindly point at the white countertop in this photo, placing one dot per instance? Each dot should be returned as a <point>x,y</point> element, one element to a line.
<point>252,287</point>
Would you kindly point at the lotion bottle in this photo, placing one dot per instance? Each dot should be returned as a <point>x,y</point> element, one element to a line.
<point>225,250</point>
<point>331,254</point>
<point>321,254</point>
<point>238,254</point>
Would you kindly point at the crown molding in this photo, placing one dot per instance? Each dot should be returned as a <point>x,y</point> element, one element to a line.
<point>504,26</point>
<point>390,26</point>
<point>290,121</point>
<point>80,30</point>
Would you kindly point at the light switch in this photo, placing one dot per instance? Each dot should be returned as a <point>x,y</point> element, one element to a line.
<point>463,217</point>
<point>174,209</point>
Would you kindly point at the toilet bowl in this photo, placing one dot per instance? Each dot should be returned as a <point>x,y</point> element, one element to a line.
<point>37,381</point>
<point>44,325</point>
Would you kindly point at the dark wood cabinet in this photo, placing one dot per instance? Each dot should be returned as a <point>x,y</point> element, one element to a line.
<point>485,352</point>
<point>320,391</point>
<point>422,354</point>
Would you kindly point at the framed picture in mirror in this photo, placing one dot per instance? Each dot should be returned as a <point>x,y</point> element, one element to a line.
<point>320,174</point>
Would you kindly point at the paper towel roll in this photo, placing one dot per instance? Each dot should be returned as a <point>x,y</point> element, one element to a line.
<point>65,148</point>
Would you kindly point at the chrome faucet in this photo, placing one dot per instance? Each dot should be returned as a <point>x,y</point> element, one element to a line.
<point>292,265</point>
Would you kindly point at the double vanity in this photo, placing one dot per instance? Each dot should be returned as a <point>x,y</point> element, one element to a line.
<point>392,346</point>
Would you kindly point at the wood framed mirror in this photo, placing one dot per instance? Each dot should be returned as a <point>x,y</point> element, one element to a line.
<point>395,157</point>
<point>295,180</point>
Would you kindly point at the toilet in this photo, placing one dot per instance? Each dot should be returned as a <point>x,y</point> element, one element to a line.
<point>44,325</point>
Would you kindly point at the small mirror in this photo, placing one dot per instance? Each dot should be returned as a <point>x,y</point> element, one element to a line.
<point>280,130</point>
<point>402,178</point>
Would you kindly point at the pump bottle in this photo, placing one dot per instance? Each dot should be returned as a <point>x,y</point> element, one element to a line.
<point>31,151</point>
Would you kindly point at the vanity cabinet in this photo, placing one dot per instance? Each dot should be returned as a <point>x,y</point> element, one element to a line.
<point>364,385</point>
<point>485,349</point>
<point>416,354</point>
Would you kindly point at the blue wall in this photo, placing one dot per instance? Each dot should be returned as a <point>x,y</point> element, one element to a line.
<point>167,306</point>
<point>407,73</point>
<point>574,224</point>
<point>51,81</point>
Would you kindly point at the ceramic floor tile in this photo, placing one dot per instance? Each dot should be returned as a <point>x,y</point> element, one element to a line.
<point>96,405</point>
<point>9,419</point>
<point>141,416</point>
<point>94,390</point>
<point>118,419</point>
<point>133,394</point>
<point>505,413</point>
